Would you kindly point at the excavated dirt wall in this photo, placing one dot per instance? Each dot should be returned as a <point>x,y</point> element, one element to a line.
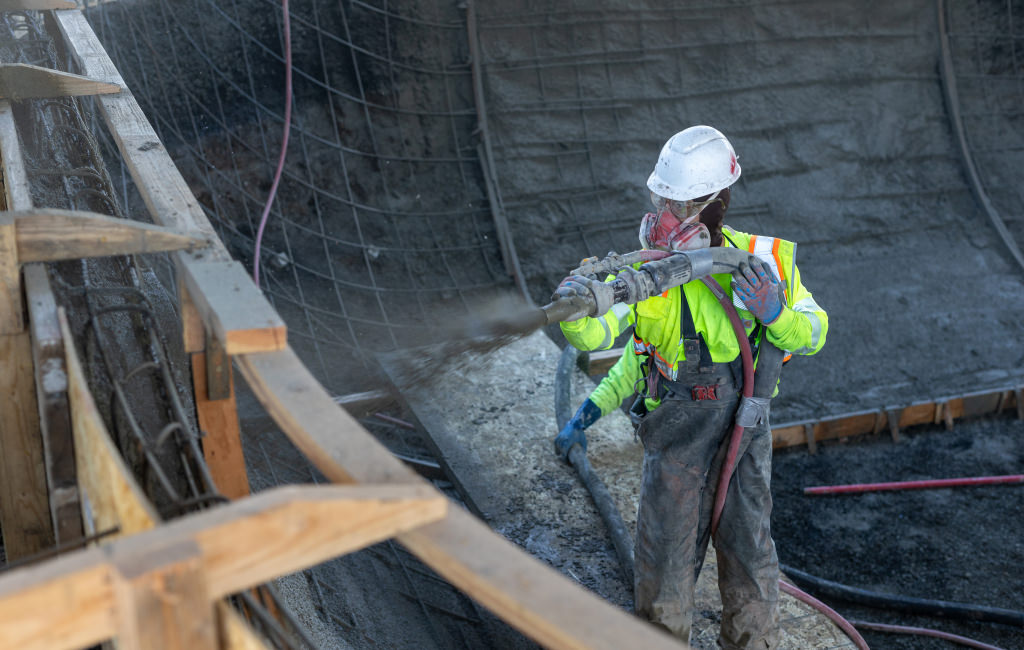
<point>383,225</point>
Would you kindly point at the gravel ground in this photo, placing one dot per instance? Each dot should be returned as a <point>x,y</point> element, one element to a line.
<point>955,544</point>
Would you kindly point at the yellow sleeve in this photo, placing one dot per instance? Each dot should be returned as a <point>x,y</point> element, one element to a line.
<point>802,326</point>
<point>619,383</point>
<point>598,333</point>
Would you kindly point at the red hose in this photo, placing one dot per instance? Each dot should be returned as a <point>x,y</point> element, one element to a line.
<point>914,485</point>
<point>651,254</point>
<point>748,391</point>
<point>924,631</point>
<point>836,618</point>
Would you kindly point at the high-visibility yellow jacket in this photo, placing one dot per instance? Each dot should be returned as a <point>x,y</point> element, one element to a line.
<point>800,328</point>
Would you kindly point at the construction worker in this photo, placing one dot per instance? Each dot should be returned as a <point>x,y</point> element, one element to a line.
<point>684,363</point>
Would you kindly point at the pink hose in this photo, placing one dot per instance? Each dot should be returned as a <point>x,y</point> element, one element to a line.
<point>651,254</point>
<point>924,631</point>
<point>748,391</point>
<point>836,618</point>
<point>914,485</point>
<point>284,140</point>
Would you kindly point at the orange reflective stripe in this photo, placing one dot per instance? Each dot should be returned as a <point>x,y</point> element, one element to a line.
<point>639,347</point>
<point>753,243</point>
<point>778,262</point>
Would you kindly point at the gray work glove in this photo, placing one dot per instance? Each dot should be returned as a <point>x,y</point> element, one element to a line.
<point>597,297</point>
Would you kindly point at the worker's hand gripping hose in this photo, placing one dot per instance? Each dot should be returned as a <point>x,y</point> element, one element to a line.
<point>583,294</point>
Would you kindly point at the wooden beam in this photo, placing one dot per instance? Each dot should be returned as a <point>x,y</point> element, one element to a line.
<point>235,633</point>
<point>24,507</point>
<point>601,361</point>
<point>162,599</point>
<point>222,442</point>
<point>232,307</point>
<point>193,333</point>
<point>535,599</point>
<point>35,5</point>
<point>114,498</point>
<point>16,187</point>
<point>24,81</point>
<point>67,602</point>
<point>12,315</point>
<point>73,600</point>
<point>54,409</point>
<point>220,291</point>
<point>50,235</point>
<point>812,444</point>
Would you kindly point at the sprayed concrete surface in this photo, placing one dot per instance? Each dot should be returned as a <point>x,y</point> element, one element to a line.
<point>494,430</point>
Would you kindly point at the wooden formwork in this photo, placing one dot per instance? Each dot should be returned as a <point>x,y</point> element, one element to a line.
<point>887,418</point>
<point>160,584</point>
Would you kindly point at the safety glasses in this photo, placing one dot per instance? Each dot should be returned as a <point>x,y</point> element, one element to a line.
<point>684,210</point>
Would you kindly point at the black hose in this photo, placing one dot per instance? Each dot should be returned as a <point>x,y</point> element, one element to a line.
<point>907,604</point>
<point>621,539</point>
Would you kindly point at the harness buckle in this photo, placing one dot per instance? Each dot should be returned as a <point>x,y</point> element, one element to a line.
<point>702,393</point>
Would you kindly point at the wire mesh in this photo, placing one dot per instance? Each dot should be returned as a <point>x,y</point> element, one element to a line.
<point>987,47</point>
<point>381,220</point>
<point>122,316</point>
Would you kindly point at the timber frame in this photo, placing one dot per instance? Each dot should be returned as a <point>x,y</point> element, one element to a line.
<point>891,418</point>
<point>161,584</point>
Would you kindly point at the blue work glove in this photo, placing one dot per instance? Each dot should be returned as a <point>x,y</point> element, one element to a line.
<point>572,433</point>
<point>756,286</point>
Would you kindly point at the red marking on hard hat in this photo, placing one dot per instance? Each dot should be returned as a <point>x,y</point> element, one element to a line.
<point>732,164</point>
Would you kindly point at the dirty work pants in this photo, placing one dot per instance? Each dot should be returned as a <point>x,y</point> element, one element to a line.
<point>683,454</point>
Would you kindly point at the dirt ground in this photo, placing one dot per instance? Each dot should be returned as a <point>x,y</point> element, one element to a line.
<point>964,544</point>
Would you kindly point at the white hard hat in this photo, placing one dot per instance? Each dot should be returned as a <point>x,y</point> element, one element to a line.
<point>694,162</point>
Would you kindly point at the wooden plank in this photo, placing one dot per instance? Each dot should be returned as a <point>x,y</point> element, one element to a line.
<point>12,315</point>
<point>23,81</point>
<point>222,293</point>
<point>812,444</point>
<point>538,601</point>
<point>16,186</point>
<point>71,601</point>
<point>36,5</point>
<point>788,436</point>
<point>222,442</point>
<point>192,331</point>
<point>50,235</point>
<point>54,409</point>
<point>230,304</point>
<point>893,416</point>
<point>218,369</point>
<point>162,600</point>
<point>115,500</point>
<point>235,633</point>
<point>602,361</point>
<point>68,602</point>
<point>24,506</point>
<point>916,414</point>
<point>321,430</point>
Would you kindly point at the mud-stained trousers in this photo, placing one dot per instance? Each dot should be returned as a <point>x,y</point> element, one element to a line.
<point>683,454</point>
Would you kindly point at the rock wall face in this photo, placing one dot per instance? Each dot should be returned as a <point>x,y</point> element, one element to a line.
<point>383,224</point>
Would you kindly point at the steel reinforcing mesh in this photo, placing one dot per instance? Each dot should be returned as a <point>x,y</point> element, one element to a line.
<point>384,223</point>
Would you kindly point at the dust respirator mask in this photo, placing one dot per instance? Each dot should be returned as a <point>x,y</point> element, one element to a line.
<point>675,226</point>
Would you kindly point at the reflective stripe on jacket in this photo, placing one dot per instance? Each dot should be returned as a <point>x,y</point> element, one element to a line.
<point>801,327</point>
